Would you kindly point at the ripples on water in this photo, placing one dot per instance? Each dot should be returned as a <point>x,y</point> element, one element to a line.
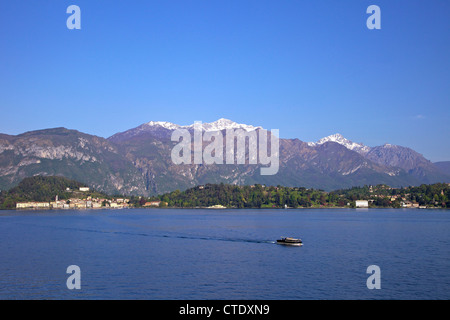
<point>224,254</point>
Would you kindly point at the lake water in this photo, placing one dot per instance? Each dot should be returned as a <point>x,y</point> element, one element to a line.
<point>225,254</point>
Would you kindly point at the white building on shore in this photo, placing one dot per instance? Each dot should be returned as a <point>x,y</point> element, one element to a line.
<point>33,205</point>
<point>362,203</point>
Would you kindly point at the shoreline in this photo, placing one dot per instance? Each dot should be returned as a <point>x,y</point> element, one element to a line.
<point>209,208</point>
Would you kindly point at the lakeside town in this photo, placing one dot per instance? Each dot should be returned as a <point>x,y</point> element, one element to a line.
<point>84,203</point>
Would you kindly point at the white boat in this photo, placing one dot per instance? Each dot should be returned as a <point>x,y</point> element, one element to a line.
<point>290,241</point>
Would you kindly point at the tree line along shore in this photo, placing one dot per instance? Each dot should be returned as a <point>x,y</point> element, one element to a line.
<point>52,192</point>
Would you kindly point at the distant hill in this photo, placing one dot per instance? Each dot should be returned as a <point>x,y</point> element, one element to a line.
<point>62,152</point>
<point>412,162</point>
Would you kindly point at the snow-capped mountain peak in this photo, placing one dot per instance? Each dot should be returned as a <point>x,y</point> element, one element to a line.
<point>218,125</point>
<point>164,124</point>
<point>163,129</point>
<point>223,124</point>
<point>338,138</point>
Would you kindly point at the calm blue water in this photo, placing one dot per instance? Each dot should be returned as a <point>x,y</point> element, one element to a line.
<point>225,254</point>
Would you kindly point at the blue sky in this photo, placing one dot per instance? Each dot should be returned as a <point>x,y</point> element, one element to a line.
<point>307,68</point>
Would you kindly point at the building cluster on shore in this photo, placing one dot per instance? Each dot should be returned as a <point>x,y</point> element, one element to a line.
<point>76,203</point>
<point>87,203</point>
<point>153,204</point>
<point>402,199</point>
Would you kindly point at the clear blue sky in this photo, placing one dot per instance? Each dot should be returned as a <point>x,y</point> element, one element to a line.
<point>307,68</point>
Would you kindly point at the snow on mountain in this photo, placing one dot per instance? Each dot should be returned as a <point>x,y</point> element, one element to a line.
<point>221,124</point>
<point>164,124</point>
<point>163,129</point>
<point>338,138</point>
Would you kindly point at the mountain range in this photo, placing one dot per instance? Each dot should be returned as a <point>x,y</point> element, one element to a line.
<point>138,161</point>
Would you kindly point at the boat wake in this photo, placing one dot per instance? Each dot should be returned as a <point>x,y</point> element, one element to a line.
<point>166,236</point>
<point>208,238</point>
